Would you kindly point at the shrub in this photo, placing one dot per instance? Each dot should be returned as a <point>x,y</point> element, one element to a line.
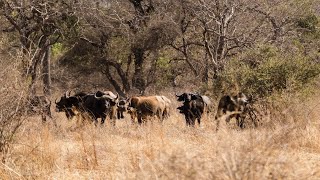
<point>12,104</point>
<point>266,70</point>
<point>309,22</point>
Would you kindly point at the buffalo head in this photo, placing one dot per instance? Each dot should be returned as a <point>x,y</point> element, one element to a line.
<point>108,96</point>
<point>184,97</point>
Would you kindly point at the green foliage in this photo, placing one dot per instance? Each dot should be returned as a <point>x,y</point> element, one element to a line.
<point>119,49</point>
<point>163,63</point>
<point>275,72</point>
<point>57,49</point>
<point>309,22</point>
<point>310,26</point>
<point>164,72</point>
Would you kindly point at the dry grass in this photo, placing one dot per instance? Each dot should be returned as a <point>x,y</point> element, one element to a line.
<point>167,151</point>
<point>284,147</point>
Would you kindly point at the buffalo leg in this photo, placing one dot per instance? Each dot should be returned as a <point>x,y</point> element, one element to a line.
<point>240,121</point>
<point>48,112</point>
<point>139,119</point>
<point>241,124</point>
<point>198,116</point>
<point>191,121</point>
<point>43,117</point>
<point>159,115</point>
<point>121,115</point>
<point>113,121</point>
<point>217,124</point>
<point>199,120</point>
<point>187,120</point>
<point>118,115</point>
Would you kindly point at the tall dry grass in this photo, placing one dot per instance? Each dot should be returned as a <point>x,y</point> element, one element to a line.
<point>275,150</point>
<point>285,146</point>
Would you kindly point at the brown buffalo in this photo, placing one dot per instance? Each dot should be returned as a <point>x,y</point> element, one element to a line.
<point>39,105</point>
<point>167,106</point>
<point>144,106</point>
<point>208,104</point>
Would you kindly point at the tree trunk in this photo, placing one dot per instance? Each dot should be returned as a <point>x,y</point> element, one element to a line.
<point>46,71</point>
<point>114,82</point>
<point>124,78</point>
<point>35,61</point>
<point>138,80</point>
<point>32,70</point>
<point>205,76</point>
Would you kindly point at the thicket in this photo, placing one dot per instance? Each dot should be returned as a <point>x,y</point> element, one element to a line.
<point>266,70</point>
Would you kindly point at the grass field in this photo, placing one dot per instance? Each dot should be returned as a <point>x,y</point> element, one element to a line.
<point>275,150</point>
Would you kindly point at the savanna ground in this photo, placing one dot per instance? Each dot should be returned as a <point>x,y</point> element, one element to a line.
<point>283,147</point>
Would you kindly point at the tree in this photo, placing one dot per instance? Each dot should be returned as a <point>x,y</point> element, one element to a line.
<point>133,26</point>
<point>39,25</point>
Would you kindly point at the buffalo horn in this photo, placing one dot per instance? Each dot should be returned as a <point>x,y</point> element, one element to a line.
<point>67,94</point>
<point>106,96</point>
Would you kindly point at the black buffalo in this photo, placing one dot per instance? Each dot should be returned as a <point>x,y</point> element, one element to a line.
<point>233,107</point>
<point>96,105</point>
<point>193,107</point>
<point>67,102</point>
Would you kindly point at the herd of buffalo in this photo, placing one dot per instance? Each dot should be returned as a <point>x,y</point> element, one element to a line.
<point>106,104</point>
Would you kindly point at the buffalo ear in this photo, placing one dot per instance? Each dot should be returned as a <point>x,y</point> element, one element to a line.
<point>181,97</point>
<point>193,96</point>
<point>99,94</point>
<point>180,107</point>
<point>230,99</point>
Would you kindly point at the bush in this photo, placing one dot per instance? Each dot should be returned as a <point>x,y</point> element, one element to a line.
<point>265,70</point>
<point>309,23</point>
<point>12,104</point>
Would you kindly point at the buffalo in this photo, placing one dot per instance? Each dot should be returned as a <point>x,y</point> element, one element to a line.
<point>39,105</point>
<point>121,108</point>
<point>208,103</point>
<point>193,107</point>
<point>143,106</point>
<point>96,105</point>
<point>167,106</point>
<point>233,107</point>
<point>67,103</point>
<point>106,105</point>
